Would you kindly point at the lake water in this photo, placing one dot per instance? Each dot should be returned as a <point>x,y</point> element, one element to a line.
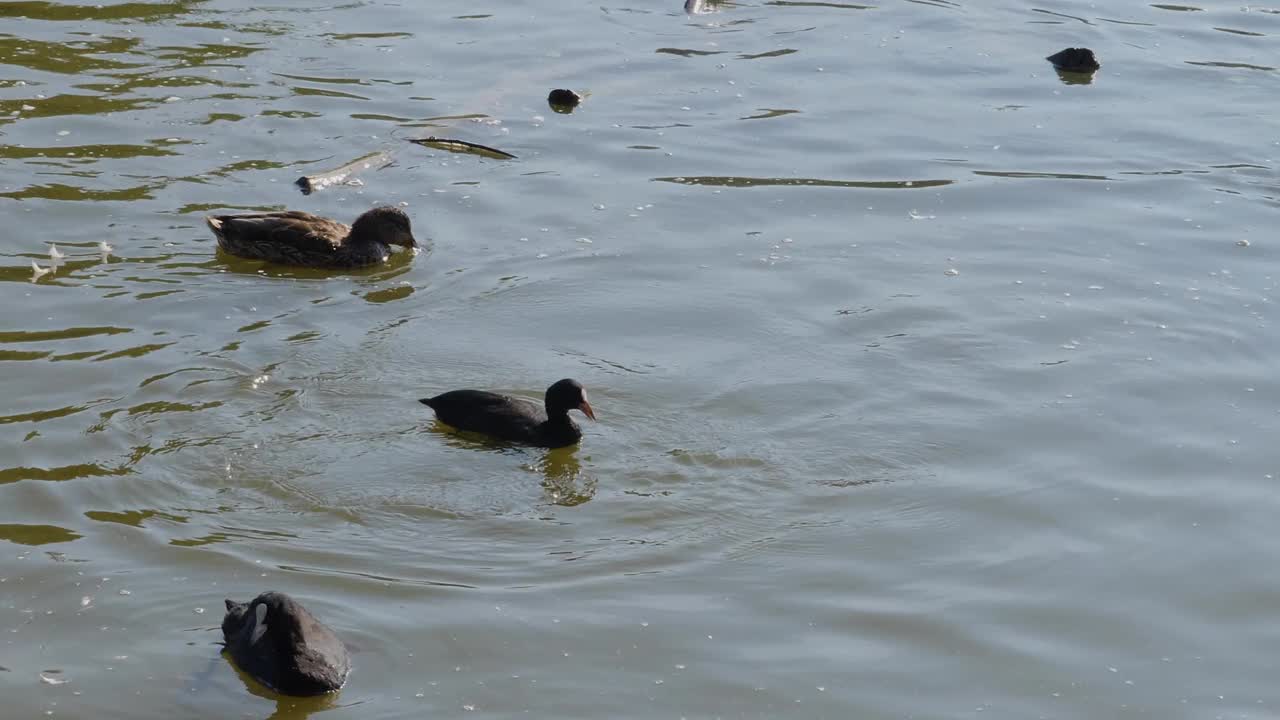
<point>930,384</point>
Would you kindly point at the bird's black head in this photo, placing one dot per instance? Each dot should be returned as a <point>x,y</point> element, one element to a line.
<point>234,618</point>
<point>568,395</point>
<point>386,224</point>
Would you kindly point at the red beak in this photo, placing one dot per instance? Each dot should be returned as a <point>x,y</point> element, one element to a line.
<point>585,407</point>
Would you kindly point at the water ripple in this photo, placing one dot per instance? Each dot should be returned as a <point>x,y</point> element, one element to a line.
<point>749,182</point>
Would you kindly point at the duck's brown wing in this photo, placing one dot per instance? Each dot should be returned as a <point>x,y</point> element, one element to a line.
<point>292,237</point>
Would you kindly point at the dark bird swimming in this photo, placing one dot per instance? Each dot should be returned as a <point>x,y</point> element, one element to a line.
<point>283,646</point>
<point>293,237</point>
<point>516,419</point>
<point>1081,60</point>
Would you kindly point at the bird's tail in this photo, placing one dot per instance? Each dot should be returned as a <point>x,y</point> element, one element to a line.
<point>215,224</point>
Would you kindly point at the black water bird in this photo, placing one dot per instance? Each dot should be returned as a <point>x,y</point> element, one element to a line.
<point>1080,60</point>
<point>563,100</point>
<point>516,419</point>
<point>283,646</point>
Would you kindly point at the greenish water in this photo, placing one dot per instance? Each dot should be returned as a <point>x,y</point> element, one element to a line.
<point>930,383</point>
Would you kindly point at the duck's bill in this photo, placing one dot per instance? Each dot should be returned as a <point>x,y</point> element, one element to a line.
<point>585,407</point>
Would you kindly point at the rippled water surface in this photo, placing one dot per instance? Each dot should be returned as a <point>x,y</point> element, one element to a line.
<point>931,383</point>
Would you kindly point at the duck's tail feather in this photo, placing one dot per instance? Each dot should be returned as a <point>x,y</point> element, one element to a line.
<point>215,224</point>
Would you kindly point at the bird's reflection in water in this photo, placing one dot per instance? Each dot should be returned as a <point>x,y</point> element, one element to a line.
<point>1070,77</point>
<point>562,477</point>
<point>287,708</point>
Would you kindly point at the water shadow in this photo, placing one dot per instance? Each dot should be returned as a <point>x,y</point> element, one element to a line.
<point>398,263</point>
<point>286,707</point>
<point>36,534</point>
<point>747,182</point>
<point>1070,77</point>
<point>562,478</point>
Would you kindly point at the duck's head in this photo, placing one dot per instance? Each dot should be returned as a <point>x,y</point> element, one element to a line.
<point>387,224</point>
<point>568,395</point>
<point>234,618</point>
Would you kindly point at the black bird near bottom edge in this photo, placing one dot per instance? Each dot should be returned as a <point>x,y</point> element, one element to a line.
<point>283,646</point>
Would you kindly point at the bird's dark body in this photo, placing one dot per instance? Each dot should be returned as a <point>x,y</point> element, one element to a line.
<point>294,653</point>
<point>1075,60</point>
<point>504,417</point>
<point>293,237</point>
<point>516,419</point>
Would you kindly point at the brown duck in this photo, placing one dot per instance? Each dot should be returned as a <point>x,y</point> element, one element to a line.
<point>294,237</point>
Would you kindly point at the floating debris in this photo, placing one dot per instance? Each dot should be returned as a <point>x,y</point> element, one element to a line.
<point>341,175</point>
<point>1242,243</point>
<point>46,678</point>
<point>701,7</point>
<point>1078,60</point>
<point>951,272</point>
<point>462,146</point>
<point>563,101</point>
